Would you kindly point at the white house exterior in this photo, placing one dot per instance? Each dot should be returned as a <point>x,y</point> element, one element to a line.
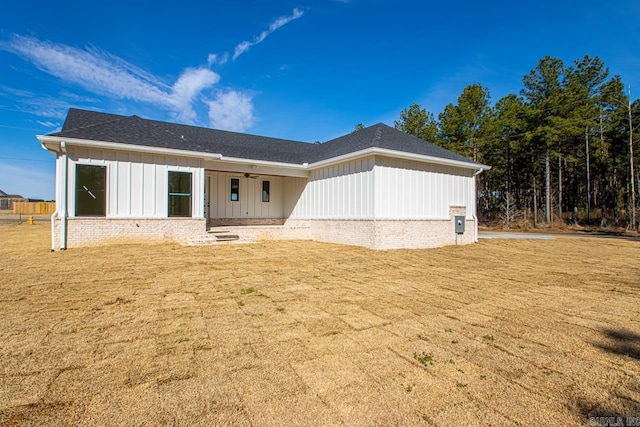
<point>126,178</point>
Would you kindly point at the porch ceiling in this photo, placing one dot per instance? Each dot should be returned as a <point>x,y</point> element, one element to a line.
<point>254,168</point>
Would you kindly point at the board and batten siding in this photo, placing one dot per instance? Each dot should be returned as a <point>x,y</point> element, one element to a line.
<point>408,189</point>
<point>379,187</point>
<point>343,191</point>
<point>137,183</point>
<point>250,204</point>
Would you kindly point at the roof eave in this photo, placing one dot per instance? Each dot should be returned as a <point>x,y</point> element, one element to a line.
<point>44,139</point>
<point>398,155</point>
<point>241,160</point>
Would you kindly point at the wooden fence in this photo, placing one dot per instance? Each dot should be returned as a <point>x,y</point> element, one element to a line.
<point>34,208</point>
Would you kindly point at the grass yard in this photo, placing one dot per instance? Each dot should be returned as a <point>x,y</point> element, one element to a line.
<point>302,333</point>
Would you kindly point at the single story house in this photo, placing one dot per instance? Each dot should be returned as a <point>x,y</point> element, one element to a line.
<point>120,178</point>
<point>7,200</point>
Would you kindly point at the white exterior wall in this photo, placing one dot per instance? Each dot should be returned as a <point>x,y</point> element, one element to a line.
<point>137,183</point>
<point>384,188</point>
<point>376,201</point>
<point>293,189</point>
<point>414,190</point>
<point>374,187</point>
<point>250,204</point>
<point>343,191</point>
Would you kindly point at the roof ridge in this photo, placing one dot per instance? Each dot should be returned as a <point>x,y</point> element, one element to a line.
<point>116,118</point>
<point>97,124</point>
<point>92,125</point>
<point>377,135</point>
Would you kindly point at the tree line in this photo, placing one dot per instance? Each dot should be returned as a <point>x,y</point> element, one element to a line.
<point>561,150</point>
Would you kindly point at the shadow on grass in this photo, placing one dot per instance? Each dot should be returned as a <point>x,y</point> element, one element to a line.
<point>622,342</point>
<point>602,235</point>
<point>622,401</point>
<point>606,413</point>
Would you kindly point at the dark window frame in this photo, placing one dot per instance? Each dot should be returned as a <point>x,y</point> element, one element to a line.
<point>266,191</point>
<point>179,202</point>
<point>90,200</point>
<point>234,182</point>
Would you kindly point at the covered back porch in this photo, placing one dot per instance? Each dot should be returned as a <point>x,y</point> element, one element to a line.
<point>249,199</point>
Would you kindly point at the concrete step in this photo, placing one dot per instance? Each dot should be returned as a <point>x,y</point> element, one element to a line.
<point>212,239</point>
<point>227,237</point>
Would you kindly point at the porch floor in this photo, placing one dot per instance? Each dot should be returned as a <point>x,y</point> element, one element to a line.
<point>250,234</point>
<point>240,228</point>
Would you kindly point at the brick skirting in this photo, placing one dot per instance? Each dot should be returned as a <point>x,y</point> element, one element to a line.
<point>370,233</point>
<point>97,231</point>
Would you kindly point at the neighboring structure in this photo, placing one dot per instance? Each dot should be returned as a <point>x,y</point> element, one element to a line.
<point>7,200</point>
<point>130,178</point>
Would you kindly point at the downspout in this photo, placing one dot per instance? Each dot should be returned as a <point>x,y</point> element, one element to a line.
<point>55,213</point>
<point>63,210</point>
<point>53,230</point>
<point>475,193</point>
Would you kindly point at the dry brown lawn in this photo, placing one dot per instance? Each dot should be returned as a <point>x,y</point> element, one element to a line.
<point>302,333</point>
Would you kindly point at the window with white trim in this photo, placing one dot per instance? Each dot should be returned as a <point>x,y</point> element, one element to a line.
<point>90,190</point>
<point>235,189</point>
<point>180,194</point>
<point>265,191</point>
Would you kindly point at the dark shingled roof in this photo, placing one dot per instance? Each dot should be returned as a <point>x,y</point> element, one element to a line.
<point>382,136</point>
<point>91,125</point>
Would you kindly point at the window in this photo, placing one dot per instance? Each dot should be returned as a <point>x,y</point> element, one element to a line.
<point>265,191</point>
<point>90,190</point>
<point>235,189</point>
<point>179,193</point>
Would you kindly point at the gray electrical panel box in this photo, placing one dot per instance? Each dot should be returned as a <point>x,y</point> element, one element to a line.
<point>460,224</point>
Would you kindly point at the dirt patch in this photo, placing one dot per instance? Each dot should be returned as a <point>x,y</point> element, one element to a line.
<point>558,227</point>
<point>277,333</point>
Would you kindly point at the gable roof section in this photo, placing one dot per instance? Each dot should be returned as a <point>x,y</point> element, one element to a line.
<point>385,137</point>
<point>79,119</point>
<point>4,195</point>
<point>94,126</point>
<point>82,124</point>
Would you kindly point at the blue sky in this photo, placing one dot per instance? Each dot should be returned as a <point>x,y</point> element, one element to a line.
<point>306,70</point>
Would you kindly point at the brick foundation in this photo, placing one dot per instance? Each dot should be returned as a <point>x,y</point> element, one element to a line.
<point>374,234</point>
<point>391,234</point>
<point>97,231</point>
<point>387,234</point>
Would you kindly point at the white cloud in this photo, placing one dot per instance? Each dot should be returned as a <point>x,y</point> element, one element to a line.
<point>16,92</point>
<point>189,85</point>
<point>106,74</point>
<point>51,107</point>
<point>231,111</point>
<point>47,124</point>
<point>78,98</point>
<point>44,106</point>
<point>103,73</point>
<point>214,58</point>
<point>283,20</point>
<point>241,48</point>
